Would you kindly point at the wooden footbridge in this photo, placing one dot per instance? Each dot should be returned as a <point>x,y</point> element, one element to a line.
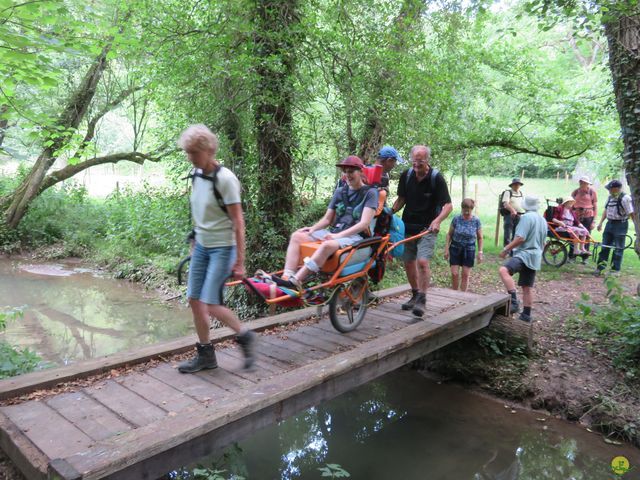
<point>142,421</point>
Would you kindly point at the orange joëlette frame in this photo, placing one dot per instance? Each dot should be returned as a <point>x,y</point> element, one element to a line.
<point>335,278</point>
<point>573,238</point>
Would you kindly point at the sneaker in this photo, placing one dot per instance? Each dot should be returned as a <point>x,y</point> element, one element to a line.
<point>247,342</point>
<point>205,359</point>
<point>408,305</point>
<point>515,306</point>
<point>525,317</point>
<point>420,305</point>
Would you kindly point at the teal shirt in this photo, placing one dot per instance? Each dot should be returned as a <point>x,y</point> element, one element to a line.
<point>533,228</point>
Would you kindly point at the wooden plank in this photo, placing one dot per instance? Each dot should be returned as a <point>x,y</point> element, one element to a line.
<point>235,366</point>
<point>328,332</point>
<point>45,428</point>
<point>30,382</point>
<point>90,416</point>
<point>194,385</point>
<point>129,405</point>
<point>274,341</point>
<point>24,454</point>
<point>164,396</point>
<point>279,397</point>
<point>267,364</point>
<point>297,357</point>
<point>310,341</point>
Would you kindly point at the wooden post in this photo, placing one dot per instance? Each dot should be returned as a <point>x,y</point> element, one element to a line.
<point>522,174</point>
<point>558,175</point>
<point>464,174</point>
<point>497,236</point>
<point>450,184</point>
<point>566,177</point>
<point>475,198</point>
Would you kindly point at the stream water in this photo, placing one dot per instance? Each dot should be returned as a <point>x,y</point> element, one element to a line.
<point>407,427</point>
<point>71,313</point>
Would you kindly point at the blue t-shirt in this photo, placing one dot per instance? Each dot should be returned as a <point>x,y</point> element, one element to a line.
<point>533,228</point>
<point>465,232</point>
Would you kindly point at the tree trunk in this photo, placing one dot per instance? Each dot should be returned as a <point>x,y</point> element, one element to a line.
<point>276,56</point>
<point>464,174</point>
<point>3,123</point>
<point>373,132</point>
<point>15,205</point>
<point>623,37</point>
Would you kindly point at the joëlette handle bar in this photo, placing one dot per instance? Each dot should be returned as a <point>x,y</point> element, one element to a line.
<point>409,239</point>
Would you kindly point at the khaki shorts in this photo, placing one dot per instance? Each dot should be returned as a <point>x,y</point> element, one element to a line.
<point>421,249</point>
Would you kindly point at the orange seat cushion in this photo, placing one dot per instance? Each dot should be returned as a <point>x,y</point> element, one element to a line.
<point>309,248</point>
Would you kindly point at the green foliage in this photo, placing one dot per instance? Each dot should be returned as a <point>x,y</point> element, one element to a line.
<point>333,470</point>
<point>616,325</point>
<point>210,474</point>
<point>15,361</point>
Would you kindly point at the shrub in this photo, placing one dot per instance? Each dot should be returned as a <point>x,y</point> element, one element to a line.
<point>617,324</point>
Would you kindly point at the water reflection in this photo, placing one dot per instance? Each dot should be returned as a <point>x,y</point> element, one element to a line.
<point>71,314</point>
<point>407,427</point>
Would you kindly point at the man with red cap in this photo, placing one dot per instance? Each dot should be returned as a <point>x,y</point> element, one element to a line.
<point>348,216</point>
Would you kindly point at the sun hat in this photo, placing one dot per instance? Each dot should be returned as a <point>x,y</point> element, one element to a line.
<point>585,179</point>
<point>516,180</point>
<point>387,151</point>
<point>568,199</point>
<point>351,161</point>
<point>613,184</point>
<point>531,204</point>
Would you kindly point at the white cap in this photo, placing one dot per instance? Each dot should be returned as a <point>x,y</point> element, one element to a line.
<point>585,179</point>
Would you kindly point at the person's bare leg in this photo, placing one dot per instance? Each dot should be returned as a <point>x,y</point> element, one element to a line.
<point>455,277</point>
<point>293,250</point>
<point>424,275</point>
<point>226,316</point>
<point>507,279</point>
<point>201,319</point>
<point>527,296</point>
<point>411,268</point>
<point>320,256</point>
<point>464,283</point>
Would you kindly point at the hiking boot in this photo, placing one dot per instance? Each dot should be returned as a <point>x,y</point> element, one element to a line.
<point>205,359</point>
<point>515,306</point>
<point>420,305</point>
<point>525,317</point>
<point>408,305</point>
<point>247,342</point>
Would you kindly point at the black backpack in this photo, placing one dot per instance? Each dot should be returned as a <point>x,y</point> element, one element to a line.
<point>501,208</point>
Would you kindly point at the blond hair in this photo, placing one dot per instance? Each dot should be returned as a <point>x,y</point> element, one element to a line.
<point>200,137</point>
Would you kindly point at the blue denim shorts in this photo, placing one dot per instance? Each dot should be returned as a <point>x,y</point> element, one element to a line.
<point>209,269</point>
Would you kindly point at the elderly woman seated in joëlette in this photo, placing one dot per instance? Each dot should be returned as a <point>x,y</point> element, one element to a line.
<point>566,221</point>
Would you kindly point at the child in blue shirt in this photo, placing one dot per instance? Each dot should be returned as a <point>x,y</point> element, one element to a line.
<point>460,245</point>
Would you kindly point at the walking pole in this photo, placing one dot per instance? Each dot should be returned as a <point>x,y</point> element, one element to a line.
<point>497,227</point>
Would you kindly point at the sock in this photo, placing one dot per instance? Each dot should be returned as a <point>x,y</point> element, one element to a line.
<point>513,294</point>
<point>526,310</point>
<point>243,330</point>
<point>287,274</point>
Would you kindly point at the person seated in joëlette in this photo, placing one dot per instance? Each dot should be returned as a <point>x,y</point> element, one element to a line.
<point>345,222</point>
<point>565,220</point>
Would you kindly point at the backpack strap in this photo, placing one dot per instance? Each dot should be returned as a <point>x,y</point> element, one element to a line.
<point>213,179</point>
